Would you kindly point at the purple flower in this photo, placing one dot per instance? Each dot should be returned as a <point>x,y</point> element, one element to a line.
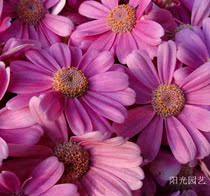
<point>41,183</point>
<point>172,100</point>
<point>120,28</point>
<point>90,89</point>
<point>91,160</point>
<point>33,20</point>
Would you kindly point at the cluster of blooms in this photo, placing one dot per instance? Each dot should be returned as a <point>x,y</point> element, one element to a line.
<point>105,98</point>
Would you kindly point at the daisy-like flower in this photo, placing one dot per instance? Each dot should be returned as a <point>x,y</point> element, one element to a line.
<point>97,164</point>
<point>170,99</point>
<point>120,28</point>
<point>33,20</point>
<point>41,183</point>
<point>194,50</point>
<point>90,88</point>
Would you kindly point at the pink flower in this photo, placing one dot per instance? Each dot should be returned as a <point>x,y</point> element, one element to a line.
<point>172,100</point>
<point>97,164</point>
<point>118,28</point>
<point>41,183</point>
<point>90,89</point>
<point>33,20</point>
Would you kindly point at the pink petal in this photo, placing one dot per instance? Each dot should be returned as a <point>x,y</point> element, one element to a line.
<point>58,7</point>
<point>105,42</point>
<point>52,105</point>
<point>3,150</point>
<point>110,3</point>
<point>199,97</point>
<point>93,9</point>
<point>181,74</point>
<point>56,130</point>
<point>86,29</point>
<point>134,3</point>
<point>152,132</point>
<point>77,117</point>
<point>166,60</point>
<point>110,81</point>
<point>43,60</point>
<point>132,176</point>
<point>201,143</point>
<point>198,79</point>
<point>15,119</point>
<point>44,177</point>
<point>60,25</point>
<point>136,121</point>
<point>197,116</point>
<point>206,29</point>
<point>141,8</point>
<point>125,97</point>
<point>31,134</point>
<point>76,53</point>
<point>142,67</point>
<point>180,141</point>
<point>149,31</point>
<point>9,182</point>
<point>4,79</point>
<point>125,44</point>
<point>25,82</point>
<point>61,54</point>
<point>200,11</point>
<point>106,107</point>
<point>191,49</point>
<point>94,62</point>
<point>62,189</point>
<point>113,186</point>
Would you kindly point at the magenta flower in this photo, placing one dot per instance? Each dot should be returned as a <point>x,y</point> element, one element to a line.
<point>4,79</point>
<point>33,20</point>
<point>194,48</point>
<point>91,160</point>
<point>120,28</point>
<point>170,99</point>
<point>90,88</point>
<point>41,183</point>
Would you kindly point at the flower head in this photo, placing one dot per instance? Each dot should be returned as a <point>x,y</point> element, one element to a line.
<point>120,28</point>
<point>35,17</point>
<point>171,99</point>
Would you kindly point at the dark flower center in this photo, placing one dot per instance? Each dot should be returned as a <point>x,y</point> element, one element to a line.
<point>167,3</point>
<point>30,11</point>
<point>122,18</point>
<point>70,81</point>
<point>168,100</point>
<point>75,159</point>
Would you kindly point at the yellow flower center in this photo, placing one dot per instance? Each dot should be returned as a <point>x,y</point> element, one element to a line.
<point>168,100</point>
<point>122,18</point>
<point>70,81</point>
